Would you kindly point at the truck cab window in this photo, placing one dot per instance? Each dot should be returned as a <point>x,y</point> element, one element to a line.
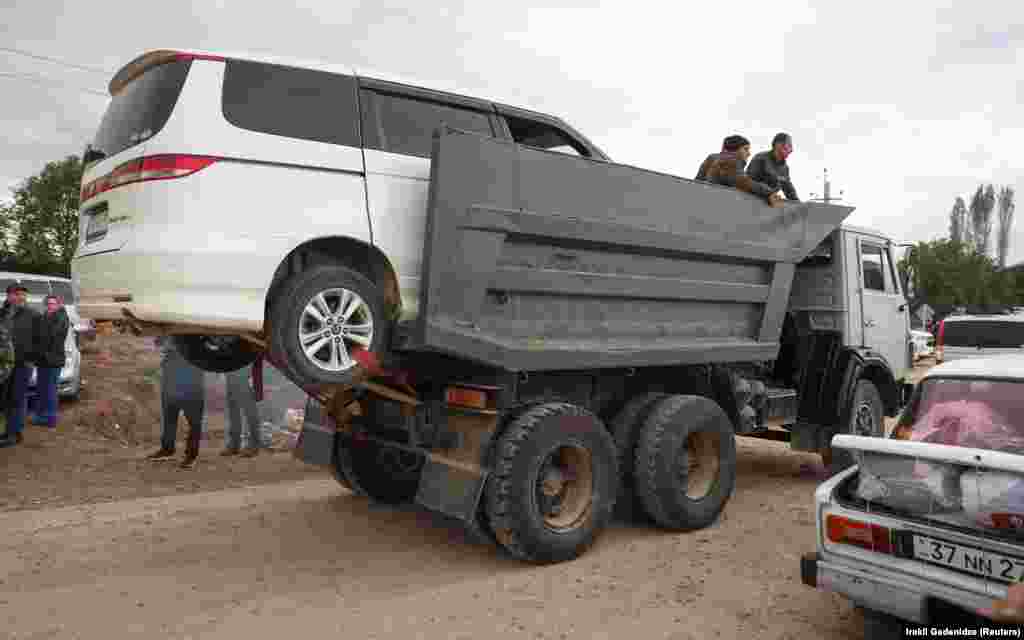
<point>544,136</point>
<point>873,267</point>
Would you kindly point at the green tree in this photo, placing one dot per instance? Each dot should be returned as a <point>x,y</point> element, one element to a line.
<point>959,230</point>
<point>1006,209</point>
<point>947,272</point>
<point>982,203</point>
<point>40,226</point>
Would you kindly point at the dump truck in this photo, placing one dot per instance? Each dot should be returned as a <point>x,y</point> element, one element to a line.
<point>591,339</point>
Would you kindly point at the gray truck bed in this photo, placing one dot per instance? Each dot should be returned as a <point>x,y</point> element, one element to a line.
<point>537,260</point>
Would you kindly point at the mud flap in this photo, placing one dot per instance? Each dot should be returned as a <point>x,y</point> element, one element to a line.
<point>452,490</point>
<point>316,440</point>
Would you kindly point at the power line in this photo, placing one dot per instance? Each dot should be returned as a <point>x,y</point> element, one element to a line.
<point>36,56</point>
<point>37,79</point>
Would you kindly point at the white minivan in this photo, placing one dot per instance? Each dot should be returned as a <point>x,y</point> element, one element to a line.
<point>239,202</point>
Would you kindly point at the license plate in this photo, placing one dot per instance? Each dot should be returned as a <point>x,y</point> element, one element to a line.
<point>987,564</point>
<point>96,228</point>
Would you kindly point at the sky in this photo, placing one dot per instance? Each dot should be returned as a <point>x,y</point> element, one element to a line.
<point>907,104</point>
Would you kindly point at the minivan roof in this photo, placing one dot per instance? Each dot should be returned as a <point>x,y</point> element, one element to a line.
<point>321,65</point>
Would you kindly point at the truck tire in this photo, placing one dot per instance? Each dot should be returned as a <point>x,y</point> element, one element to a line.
<point>685,462</point>
<point>216,354</point>
<point>319,315</point>
<point>553,488</point>
<point>625,429</point>
<point>385,475</point>
<point>865,417</point>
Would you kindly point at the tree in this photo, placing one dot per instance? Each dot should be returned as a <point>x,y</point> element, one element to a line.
<point>982,204</point>
<point>41,225</point>
<point>950,273</point>
<point>959,230</point>
<point>1006,208</point>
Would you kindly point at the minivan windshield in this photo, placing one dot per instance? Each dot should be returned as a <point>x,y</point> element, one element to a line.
<point>141,109</point>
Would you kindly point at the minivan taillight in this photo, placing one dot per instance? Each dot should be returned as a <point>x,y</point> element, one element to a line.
<point>938,341</point>
<point>142,169</point>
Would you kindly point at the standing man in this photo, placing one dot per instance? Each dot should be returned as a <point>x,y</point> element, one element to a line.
<point>52,334</point>
<point>182,390</point>
<point>770,168</point>
<point>241,406</point>
<point>23,322</point>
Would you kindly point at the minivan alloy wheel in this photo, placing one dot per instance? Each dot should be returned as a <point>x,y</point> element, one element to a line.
<point>332,322</point>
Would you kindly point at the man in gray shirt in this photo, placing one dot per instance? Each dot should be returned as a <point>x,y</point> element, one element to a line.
<point>770,168</point>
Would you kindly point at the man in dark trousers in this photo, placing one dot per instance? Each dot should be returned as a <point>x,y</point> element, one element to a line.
<point>182,390</point>
<point>52,334</point>
<point>23,322</point>
<point>770,168</point>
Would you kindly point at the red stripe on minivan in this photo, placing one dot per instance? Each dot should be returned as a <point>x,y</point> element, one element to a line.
<point>162,167</point>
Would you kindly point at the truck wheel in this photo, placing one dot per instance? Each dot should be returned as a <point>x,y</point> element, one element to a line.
<point>554,483</point>
<point>216,354</point>
<point>625,429</point>
<point>685,462</point>
<point>319,317</point>
<point>866,417</point>
<point>384,474</point>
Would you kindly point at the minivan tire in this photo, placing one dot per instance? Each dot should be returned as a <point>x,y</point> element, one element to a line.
<point>216,354</point>
<point>296,308</point>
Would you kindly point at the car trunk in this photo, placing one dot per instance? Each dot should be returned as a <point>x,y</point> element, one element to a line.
<point>961,508</point>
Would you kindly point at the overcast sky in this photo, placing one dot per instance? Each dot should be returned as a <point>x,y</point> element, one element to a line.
<point>907,107</point>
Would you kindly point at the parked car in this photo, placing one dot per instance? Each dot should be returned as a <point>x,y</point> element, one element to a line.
<point>69,384</point>
<point>923,343</point>
<point>972,336</point>
<point>928,527</point>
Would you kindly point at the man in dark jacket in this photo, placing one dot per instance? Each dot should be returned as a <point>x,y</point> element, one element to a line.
<point>702,173</point>
<point>23,322</point>
<point>728,171</point>
<point>50,338</point>
<point>770,168</point>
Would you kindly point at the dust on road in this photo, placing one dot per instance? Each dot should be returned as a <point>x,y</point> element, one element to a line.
<point>308,557</point>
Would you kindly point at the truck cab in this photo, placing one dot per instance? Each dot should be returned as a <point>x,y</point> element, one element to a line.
<point>850,284</point>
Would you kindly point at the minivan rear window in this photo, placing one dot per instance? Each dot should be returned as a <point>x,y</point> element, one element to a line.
<point>993,334</point>
<point>142,108</point>
<point>36,287</point>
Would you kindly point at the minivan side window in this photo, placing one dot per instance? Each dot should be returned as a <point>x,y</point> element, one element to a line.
<point>405,125</point>
<point>306,104</point>
<point>873,267</point>
<point>532,133</point>
<point>36,287</point>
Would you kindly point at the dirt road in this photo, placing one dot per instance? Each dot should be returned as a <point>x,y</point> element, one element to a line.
<point>306,557</point>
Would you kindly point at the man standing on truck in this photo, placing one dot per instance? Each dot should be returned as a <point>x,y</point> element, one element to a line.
<point>728,170</point>
<point>702,173</point>
<point>770,168</point>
